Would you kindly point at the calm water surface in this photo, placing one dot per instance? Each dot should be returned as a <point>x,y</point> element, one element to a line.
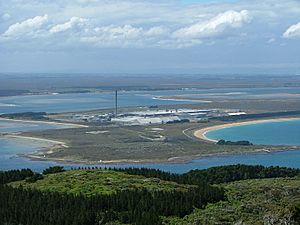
<point>272,133</point>
<point>90,101</point>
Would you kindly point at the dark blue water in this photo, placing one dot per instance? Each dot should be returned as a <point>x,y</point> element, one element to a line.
<point>271,133</point>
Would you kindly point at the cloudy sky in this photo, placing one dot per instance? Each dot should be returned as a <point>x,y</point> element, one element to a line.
<point>150,36</point>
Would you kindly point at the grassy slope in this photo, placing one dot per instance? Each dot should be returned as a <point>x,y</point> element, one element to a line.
<point>91,182</point>
<point>249,202</point>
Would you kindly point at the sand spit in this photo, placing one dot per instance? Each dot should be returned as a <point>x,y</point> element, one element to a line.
<point>45,122</point>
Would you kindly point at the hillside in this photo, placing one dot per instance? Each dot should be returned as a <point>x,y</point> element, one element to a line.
<point>95,182</point>
<point>235,194</point>
<point>251,202</point>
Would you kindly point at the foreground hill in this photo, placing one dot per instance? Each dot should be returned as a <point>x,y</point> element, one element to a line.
<point>237,194</point>
<point>249,202</point>
<point>98,182</point>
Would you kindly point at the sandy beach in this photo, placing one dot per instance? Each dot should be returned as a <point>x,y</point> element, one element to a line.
<point>51,142</point>
<point>201,132</point>
<point>163,98</point>
<point>45,122</point>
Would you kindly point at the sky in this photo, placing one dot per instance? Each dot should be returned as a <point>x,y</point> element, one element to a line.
<point>150,37</point>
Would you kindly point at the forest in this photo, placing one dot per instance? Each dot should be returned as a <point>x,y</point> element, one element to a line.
<point>26,206</point>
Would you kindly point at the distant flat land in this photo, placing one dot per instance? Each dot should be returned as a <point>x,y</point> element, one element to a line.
<point>43,82</point>
<point>260,201</point>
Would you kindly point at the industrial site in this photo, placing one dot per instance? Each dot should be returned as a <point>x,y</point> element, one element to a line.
<point>153,115</point>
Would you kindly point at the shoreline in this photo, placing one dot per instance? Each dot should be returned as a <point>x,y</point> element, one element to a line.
<point>45,122</point>
<point>201,133</point>
<point>35,139</point>
<point>162,98</point>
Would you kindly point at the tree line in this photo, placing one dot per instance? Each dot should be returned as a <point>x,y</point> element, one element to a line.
<point>216,175</point>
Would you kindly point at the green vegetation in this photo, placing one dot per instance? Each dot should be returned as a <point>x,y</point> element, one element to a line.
<point>27,116</point>
<point>224,174</point>
<point>54,169</point>
<point>95,182</point>
<point>251,202</point>
<point>151,197</point>
<point>223,142</point>
<point>34,203</point>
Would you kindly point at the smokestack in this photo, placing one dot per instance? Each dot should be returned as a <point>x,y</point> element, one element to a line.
<point>116,103</point>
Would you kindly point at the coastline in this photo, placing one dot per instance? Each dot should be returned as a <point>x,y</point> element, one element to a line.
<point>35,139</point>
<point>201,133</point>
<point>162,98</point>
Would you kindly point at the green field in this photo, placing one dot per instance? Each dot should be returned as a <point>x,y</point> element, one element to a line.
<point>251,202</point>
<point>95,182</point>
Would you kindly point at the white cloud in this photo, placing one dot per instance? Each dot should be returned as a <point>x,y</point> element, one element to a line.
<point>73,23</point>
<point>271,40</point>
<point>123,36</point>
<point>26,27</point>
<point>293,31</point>
<point>215,26</point>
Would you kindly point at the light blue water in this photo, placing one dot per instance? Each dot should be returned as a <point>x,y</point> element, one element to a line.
<point>11,147</point>
<point>273,133</point>
<point>91,101</point>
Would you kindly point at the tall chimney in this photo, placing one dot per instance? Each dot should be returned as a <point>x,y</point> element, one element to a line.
<point>116,103</point>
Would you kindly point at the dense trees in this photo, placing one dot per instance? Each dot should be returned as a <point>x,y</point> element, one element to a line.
<point>223,142</point>
<point>141,207</point>
<point>223,174</point>
<point>14,175</point>
<point>54,169</point>
<point>19,206</point>
<point>215,175</point>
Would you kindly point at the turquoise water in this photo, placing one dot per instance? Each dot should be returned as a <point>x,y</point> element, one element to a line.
<point>272,133</point>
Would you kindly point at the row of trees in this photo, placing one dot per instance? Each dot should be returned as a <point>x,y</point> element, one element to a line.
<point>216,175</point>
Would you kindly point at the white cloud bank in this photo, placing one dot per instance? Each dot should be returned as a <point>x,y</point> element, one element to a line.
<point>215,26</point>
<point>293,31</point>
<point>26,27</point>
<point>73,23</point>
<point>83,30</point>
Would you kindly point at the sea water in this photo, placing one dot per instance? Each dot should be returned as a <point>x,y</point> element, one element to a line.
<point>270,133</point>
